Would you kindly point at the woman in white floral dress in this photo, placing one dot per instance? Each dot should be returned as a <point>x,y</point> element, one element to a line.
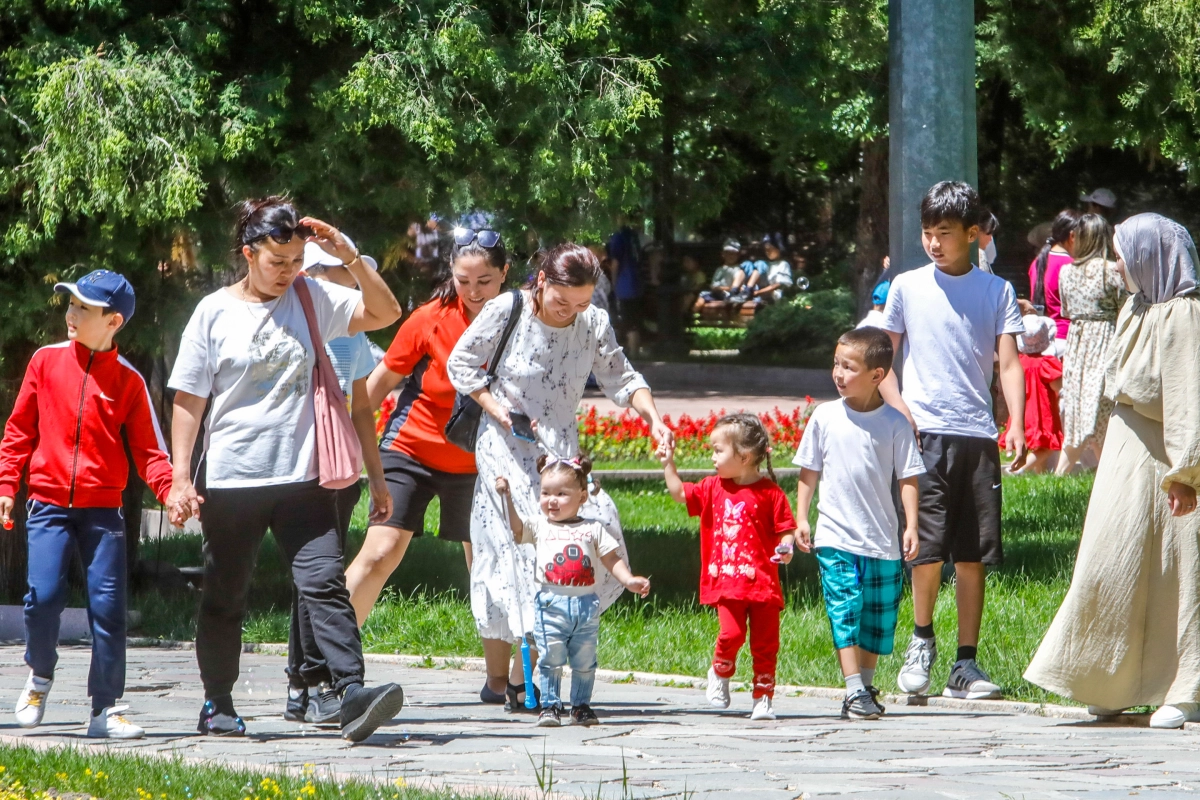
<point>559,340</point>
<point>1092,291</point>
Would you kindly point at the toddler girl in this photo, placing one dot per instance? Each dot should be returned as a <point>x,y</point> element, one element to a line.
<point>746,528</point>
<point>1043,380</point>
<point>566,607</point>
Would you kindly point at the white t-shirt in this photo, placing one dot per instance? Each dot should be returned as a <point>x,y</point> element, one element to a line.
<point>873,319</point>
<point>857,454</point>
<point>256,360</point>
<point>950,324</point>
<point>568,555</point>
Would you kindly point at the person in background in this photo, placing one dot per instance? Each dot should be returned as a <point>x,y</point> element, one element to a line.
<point>602,297</point>
<point>752,273</point>
<point>988,226</point>
<point>879,296</point>
<point>1043,382</point>
<point>311,697</point>
<point>725,275</point>
<point>428,239</point>
<point>1043,273</point>
<point>1092,292</point>
<point>624,248</point>
<point>779,271</point>
<point>691,282</point>
<point>1101,202</point>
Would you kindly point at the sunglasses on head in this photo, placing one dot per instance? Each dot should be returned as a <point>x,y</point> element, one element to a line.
<point>282,234</point>
<point>464,237</point>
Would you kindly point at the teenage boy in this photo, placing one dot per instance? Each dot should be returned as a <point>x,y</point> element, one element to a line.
<point>76,401</point>
<point>952,320</point>
<point>855,447</point>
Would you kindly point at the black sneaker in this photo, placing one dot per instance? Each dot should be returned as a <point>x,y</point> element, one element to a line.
<point>875,696</point>
<point>324,707</point>
<point>297,707</point>
<point>550,717</point>
<point>860,705</point>
<point>364,710</point>
<point>514,703</point>
<point>582,714</point>
<point>968,682</point>
<point>220,719</point>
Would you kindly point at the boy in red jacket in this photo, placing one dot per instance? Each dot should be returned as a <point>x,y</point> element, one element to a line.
<point>66,429</point>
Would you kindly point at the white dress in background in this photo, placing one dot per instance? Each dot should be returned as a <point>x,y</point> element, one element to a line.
<point>542,374</point>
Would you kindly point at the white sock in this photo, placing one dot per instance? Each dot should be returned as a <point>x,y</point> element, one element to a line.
<point>854,683</point>
<point>868,675</point>
<point>294,693</point>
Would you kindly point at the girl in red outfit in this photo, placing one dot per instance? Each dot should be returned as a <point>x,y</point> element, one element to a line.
<point>746,528</point>
<point>1043,381</point>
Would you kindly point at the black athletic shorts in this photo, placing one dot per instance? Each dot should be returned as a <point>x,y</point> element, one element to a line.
<point>960,500</point>
<point>413,485</point>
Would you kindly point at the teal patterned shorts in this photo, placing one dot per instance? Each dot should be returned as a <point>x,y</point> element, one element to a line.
<point>862,598</point>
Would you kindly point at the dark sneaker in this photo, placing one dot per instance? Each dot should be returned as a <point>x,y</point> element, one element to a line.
<point>550,717</point>
<point>364,710</point>
<point>582,714</point>
<point>875,696</point>
<point>297,707</point>
<point>219,719</point>
<point>486,695</point>
<point>514,700</point>
<point>968,682</point>
<point>860,705</point>
<point>324,707</point>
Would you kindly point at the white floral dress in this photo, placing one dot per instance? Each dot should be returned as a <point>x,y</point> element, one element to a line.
<point>1092,293</point>
<point>542,374</point>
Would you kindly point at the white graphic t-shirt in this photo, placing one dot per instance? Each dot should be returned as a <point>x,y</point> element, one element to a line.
<point>568,554</point>
<point>256,361</point>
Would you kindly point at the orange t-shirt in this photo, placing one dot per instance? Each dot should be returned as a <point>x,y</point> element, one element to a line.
<point>420,350</point>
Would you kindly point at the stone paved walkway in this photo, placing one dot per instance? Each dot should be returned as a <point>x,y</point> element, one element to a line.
<point>665,737</point>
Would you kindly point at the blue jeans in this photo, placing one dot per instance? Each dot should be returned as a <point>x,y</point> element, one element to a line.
<point>99,533</point>
<point>565,629</point>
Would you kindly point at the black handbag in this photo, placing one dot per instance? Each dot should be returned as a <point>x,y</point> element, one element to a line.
<point>463,427</point>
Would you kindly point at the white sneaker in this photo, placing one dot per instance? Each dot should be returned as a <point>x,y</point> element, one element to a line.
<point>762,709</point>
<point>1174,716</point>
<point>718,689</point>
<point>918,660</point>
<point>109,724</point>
<point>31,706</point>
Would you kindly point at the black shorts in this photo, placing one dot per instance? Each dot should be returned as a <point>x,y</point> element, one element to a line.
<point>413,485</point>
<point>960,500</point>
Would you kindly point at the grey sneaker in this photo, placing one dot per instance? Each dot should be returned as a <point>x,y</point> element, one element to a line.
<point>550,717</point>
<point>324,707</point>
<point>861,705</point>
<point>918,660</point>
<point>969,682</point>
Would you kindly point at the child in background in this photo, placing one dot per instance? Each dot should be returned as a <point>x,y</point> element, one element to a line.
<point>753,273</point>
<point>1043,382</point>
<point>874,317</point>
<point>567,608</point>
<point>79,404</point>
<point>855,447</point>
<point>746,529</point>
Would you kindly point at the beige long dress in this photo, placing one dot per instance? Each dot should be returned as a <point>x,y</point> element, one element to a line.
<point>1128,632</point>
<point>1091,295</point>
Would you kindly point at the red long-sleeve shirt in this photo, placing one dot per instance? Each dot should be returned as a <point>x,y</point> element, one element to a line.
<point>66,429</point>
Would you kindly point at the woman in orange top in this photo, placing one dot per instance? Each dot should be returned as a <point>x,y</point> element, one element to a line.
<point>418,462</point>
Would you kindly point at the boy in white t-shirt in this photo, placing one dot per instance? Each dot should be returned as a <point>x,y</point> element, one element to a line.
<point>856,446</point>
<point>953,321</point>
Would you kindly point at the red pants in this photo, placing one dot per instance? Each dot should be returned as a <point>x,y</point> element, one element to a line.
<point>763,621</point>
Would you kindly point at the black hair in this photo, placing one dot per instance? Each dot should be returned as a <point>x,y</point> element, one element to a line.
<point>256,218</point>
<point>950,201</point>
<point>988,223</point>
<point>566,264</point>
<point>1060,232</point>
<point>495,256</point>
<point>547,464</point>
<point>749,436</point>
<point>873,343</point>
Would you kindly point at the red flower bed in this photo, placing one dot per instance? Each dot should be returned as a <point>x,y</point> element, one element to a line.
<point>626,437</point>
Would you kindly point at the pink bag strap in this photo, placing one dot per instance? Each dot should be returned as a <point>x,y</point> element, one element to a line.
<point>310,314</point>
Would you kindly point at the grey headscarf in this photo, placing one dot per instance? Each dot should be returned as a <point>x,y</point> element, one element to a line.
<point>1160,257</point>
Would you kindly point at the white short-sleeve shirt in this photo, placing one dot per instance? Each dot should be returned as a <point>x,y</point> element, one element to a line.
<point>857,453</point>
<point>950,324</point>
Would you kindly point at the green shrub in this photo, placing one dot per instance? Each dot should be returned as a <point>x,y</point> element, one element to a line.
<point>717,338</point>
<point>809,322</point>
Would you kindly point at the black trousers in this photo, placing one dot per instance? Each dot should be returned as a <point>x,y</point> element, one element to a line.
<point>303,519</point>
<point>306,665</point>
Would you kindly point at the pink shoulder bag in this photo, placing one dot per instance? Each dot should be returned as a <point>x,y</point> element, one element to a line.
<point>339,455</point>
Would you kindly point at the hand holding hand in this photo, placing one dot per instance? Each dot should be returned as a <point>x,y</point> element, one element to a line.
<point>665,452</point>
<point>639,586</point>
<point>804,537</point>
<point>6,508</point>
<point>183,503</point>
<point>1181,499</point>
<point>910,544</point>
<point>501,485</point>
<point>381,503</point>
<point>662,434</point>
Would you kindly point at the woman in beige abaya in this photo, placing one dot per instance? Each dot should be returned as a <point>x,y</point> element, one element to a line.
<point>1128,632</point>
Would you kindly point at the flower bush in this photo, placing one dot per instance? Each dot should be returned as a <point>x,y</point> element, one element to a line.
<point>626,436</point>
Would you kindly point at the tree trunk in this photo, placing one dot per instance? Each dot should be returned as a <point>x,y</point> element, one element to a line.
<point>871,237</point>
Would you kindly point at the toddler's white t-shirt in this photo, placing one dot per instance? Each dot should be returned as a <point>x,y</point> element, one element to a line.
<point>568,554</point>
<point>950,324</point>
<point>857,453</point>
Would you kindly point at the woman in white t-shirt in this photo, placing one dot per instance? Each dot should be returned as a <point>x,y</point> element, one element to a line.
<point>247,347</point>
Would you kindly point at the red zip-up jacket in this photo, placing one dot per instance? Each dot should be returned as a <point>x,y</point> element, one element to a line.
<point>66,428</point>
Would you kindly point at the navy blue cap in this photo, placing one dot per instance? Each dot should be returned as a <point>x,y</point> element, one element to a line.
<point>102,288</point>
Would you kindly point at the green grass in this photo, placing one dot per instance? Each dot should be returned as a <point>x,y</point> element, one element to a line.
<point>425,613</point>
<point>30,774</point>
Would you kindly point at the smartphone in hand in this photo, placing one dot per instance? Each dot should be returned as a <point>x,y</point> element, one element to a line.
<point>522,427</point>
